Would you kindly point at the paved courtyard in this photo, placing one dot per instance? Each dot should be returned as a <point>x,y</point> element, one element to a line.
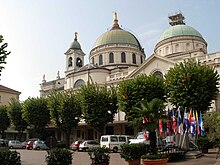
<point>29,157</point>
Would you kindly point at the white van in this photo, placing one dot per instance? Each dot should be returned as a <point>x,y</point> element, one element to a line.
<point>114,141</point>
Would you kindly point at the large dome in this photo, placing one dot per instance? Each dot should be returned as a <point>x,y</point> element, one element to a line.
<point>179,30</point>
<point>116,36</point>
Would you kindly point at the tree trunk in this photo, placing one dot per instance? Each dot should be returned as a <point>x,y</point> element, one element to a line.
<point>153,142</point>
<point>68,139</point>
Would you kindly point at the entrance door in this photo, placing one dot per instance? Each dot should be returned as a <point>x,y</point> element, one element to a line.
<point>90,134</point>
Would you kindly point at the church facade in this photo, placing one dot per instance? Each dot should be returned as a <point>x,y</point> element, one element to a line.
<point>118,55</point>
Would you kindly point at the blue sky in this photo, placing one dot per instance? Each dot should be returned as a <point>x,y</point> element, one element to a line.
<point>39,32</point>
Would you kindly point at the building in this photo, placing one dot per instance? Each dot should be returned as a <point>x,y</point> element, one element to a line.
<point>117,55</point>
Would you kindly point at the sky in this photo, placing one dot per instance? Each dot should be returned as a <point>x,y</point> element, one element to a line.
<point>39,32</point>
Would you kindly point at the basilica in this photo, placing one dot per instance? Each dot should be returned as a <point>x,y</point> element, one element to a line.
<point>117,55</point>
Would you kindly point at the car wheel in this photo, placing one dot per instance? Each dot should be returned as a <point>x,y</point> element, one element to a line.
<point>23,147</point>
<point>115,149</point>
<point>11,147</point>
<point>30,148</point>
<point>38,148</point>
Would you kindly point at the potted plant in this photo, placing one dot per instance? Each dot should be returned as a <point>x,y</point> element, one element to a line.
<point>204,144</point>
<point>158,159</point>
<point>149,112</point>
<point>99,155</point>
<point>132,153</point>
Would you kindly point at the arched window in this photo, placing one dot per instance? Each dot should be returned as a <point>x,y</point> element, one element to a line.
<point>141,58</point>
<point>100,60</point>
<point>78,83</point>
<point>176,48</point>
<point>158,74</point>
<point>123,57</point>
<point>134,58</point>
<point>187,46</point>
<point>167,50</point>
<point>111,58</point>
<point>93,60</point>
<point>70,62</point>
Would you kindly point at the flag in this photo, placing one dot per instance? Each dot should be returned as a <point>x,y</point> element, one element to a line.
<point>201,125</point>
<point>197,124</point>
<point>146,136</point>
<point>186,121</point>
<point>169,126</point>
<point>161,127</point>
<point>191,122</point>
<point>180,123</point>
<point>174,123</point>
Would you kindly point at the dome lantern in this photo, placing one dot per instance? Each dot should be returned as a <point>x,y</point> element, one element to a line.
<point>75,44</point>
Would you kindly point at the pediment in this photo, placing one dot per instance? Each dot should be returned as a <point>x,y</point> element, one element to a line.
<point>152,64</point>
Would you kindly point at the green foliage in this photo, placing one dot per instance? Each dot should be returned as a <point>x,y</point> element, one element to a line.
<point>15,114</point>
<point>99,155</point>
<point>204,142</point>
<point>152,111</point>
<point>3,53</point>
<point>158,156</point>
<point>211,123</point>
<point>142,87</point>
<point>59,156</point>
<point>4,120</point>
<point>8,157</point>
<point>36,114</point>
<point>65,110</point>
<point>133,151</point>
<point>192,85</point>
<point>99,105</point>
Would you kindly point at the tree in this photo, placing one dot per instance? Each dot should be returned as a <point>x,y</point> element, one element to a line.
<point>3,53</point>
<point>65,110</point>
<point>192,85</point>
<point>99,105</point>
<point>142,87</point>
<point>36,114</point>
<point>151,112</point>
<point>15,114</point>
<point>4,120</point>
<point>211,123</point>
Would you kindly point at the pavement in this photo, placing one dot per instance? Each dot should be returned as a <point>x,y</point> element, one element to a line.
<point>207,159</point>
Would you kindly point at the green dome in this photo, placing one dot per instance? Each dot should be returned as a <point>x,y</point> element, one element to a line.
<point>116,36</point>
<point>75,45</point>
<point>179,30</point>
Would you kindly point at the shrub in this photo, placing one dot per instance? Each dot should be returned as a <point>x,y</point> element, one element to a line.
<point>204,142</point>
<point>8,157</point>
<point>133,151</point>
<point>99,155</point>
<point>59,156</point>
<point>153,156</point>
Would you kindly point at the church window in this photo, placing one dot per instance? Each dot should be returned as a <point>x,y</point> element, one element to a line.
<point>100,59</point>
<point>187,46</point>
<point>70,62</point>
<point>167,50</point>
<point>123,57</point>
<point>176,47</point>
<point>78,83</point>
<point>197,45</point>
<point>158,74</point>
<point>111,58</point>
<point>93,60</point>
<point>141,58</point>
<point>134,58</point>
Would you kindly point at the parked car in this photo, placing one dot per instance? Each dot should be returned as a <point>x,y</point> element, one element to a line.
<point>61,144</point>
<point>3,144</point>
<point>75,145</point>
<point>40,145</point>
<point>30,142</point>
<point>139,138</point>
<point>114,142</point>
<point>87,144</point>
<point>16,144</point>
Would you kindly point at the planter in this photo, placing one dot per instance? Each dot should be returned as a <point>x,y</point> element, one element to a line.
<point>155,161</point>
<point>133,162</point>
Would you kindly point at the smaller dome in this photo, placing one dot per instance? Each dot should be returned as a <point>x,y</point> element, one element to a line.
<point>179,30</point>
<point>75,44</point>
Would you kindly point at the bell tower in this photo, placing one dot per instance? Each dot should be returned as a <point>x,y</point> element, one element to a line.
<point>74,56</point>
